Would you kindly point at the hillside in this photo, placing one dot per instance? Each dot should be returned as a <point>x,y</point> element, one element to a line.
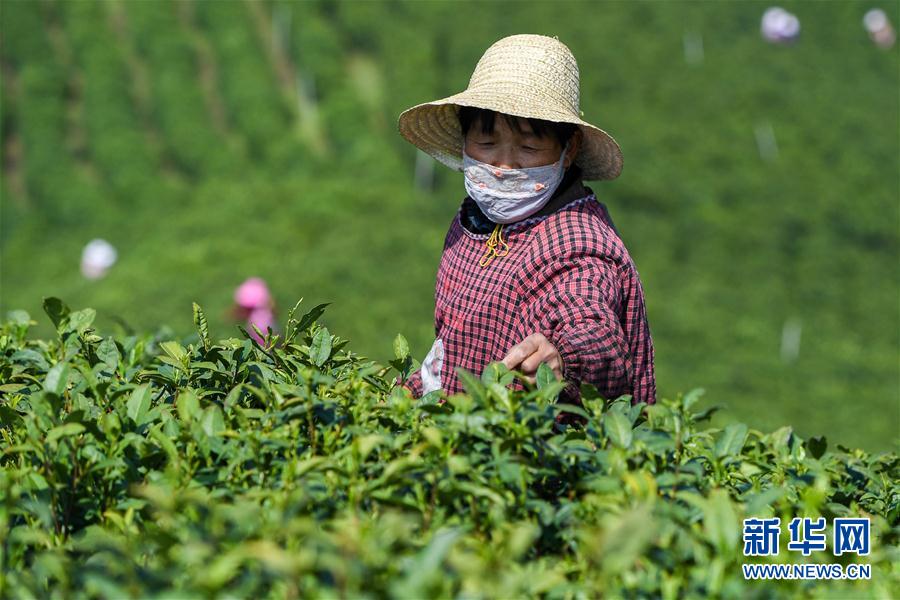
<point>214,141</point>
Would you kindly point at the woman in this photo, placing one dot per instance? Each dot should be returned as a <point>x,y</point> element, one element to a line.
<point>533,269</point>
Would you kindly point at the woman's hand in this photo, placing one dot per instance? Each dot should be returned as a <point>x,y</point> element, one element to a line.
<point>528,354</point>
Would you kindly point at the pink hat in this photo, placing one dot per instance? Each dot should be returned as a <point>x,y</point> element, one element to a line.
<point>253,293</point>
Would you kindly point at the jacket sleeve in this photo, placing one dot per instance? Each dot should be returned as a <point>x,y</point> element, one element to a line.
<point>574,302</point>
<point>413,383</point>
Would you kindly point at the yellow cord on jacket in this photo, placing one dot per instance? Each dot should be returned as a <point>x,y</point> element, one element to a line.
<point>492,244</point>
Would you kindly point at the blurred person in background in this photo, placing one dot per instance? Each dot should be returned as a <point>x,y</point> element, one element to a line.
<point>254,305</point>
<point>779,26</point>
<point>533,270</point>
<point>97,258</point>
<point>879,27</point>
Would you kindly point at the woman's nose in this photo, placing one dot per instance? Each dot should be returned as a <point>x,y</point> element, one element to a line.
<point>505,160</point>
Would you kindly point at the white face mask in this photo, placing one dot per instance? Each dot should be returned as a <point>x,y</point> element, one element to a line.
<point>510,195</point>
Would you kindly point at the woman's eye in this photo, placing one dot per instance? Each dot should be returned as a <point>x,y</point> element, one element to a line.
<point>529,149</point>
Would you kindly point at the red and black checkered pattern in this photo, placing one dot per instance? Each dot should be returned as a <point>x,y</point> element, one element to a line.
<point>569,276</point>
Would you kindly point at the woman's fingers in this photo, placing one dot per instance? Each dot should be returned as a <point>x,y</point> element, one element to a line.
<point>520,352</point>
<point>545,354</point>
<point>528,354</point>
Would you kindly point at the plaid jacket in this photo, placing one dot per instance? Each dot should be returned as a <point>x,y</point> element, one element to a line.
<point>566,274</point>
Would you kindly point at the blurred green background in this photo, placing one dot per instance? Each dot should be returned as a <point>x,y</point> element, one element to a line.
<point>213,141</point>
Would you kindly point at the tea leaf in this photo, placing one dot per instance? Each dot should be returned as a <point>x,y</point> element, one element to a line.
<point>626,538</point>
<point>720,522</point>
<point>497,372</point>
<point>79,320</point>
<point>691,398</point>
<point>188,405</point>
<point>760,502</point>
<point>61,431</point>
<point>320,349</point>
<point>11,388</point>
<point>201,325</point>
<point>175,350</point>
<point>212,421</point>
<point>817,446</point>
<point>57,378</point>
<point>8,417</point>
<point>617,428</point>
<point>473,386</point>
<point>56,310</point>
<point>731,441</point>
<point>312,316</point>
<point>544,376</point>
<point>108,353</point>
<point>401,347</point>
<point>164,442</point>
<point>139,404</point>
<point>291,328</point>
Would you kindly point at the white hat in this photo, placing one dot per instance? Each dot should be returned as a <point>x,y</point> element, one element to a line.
<point>778,25</point>
<point>96,258</point>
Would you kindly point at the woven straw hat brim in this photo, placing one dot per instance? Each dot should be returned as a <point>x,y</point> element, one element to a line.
<point>434,128</point>
<point>525,75</point>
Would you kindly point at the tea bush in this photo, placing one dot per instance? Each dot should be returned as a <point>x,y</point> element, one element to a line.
<point>169,129</point>
<point>145,467</point>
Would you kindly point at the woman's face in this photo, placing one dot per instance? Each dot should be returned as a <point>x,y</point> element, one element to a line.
<point>509,149</point>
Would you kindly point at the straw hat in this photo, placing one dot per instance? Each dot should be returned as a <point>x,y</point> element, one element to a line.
<point>523,75</point>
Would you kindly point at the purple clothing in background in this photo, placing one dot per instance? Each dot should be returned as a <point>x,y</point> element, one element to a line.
<point>262,318</point>
<point>253,296</point>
